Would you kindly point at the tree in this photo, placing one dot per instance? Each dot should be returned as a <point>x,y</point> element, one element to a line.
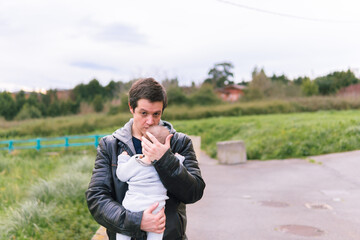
<point>33,99</point>
<point>332,82</point>
<point>95,88</point>
<point>299,80</point>
<point>7,106</point>
<point>80,92</point>
<point>98,103</point>
<point>281,79</point>
<point>309,88</point>
<point>205,95</point>
<point>86,92</point>
<point>220,75</point>
<point>170,83</point>
<point>20,100</point>
<point>176,96</point>
<point>54,109</point>
<point>111,90</point>
<point>260,85</point>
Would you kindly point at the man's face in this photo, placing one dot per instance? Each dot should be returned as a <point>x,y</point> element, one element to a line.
<point>146,114</point>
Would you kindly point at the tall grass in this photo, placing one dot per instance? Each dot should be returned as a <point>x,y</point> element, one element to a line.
<point>52,206</point>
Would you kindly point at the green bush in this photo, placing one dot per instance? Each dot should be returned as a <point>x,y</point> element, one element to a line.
<point>27,112</point>
<point>204,96</point>
<point>176,96</point>
<point>123,107</point>
<point>98,103</point>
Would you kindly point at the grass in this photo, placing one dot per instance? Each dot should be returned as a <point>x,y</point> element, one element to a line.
<point>61,126</point>
<point>279,136</point>
<point>100,123</point>
<point>43,195</point>
<point>267,106</point>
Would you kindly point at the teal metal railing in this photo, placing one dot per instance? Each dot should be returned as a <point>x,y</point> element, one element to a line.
<point>39,143</point>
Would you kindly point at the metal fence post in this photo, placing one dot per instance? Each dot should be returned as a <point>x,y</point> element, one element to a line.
<point>38,144</point>
<point>66,142</point>
<point>96,143</point>
<point>11,146</point>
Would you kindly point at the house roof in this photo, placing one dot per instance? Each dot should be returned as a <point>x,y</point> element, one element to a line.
<point>233,86</point>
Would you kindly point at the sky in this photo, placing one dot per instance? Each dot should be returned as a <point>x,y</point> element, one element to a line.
<point>59,44</point>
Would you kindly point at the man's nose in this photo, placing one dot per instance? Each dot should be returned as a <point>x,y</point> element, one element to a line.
<point>150,120</point>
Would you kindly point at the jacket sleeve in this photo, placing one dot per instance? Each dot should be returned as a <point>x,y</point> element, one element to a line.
<point>105,210</point>
<point>184,181</point>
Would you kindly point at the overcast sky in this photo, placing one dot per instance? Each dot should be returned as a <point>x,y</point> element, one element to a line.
<point>59,44</point>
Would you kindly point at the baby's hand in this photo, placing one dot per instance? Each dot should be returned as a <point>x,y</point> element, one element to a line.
<point>124,153</point>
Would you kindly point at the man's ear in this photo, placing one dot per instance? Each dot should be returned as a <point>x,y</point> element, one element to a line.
<point>131,109</point>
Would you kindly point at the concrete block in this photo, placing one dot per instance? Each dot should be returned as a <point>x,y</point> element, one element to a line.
<point>231,152</point>
<point>196,141</point>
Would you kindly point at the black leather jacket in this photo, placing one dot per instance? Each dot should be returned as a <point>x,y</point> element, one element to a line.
<point>105,193</point>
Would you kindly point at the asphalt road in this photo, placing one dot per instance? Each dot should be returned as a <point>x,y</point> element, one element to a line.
<point>314,198</point>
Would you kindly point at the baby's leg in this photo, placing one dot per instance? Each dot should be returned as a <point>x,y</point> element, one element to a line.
<point>154,236</point>
<point>122,237</point>
<point>161,206</point>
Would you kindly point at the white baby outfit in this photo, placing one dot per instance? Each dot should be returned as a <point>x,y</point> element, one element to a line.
<point>145,188</point>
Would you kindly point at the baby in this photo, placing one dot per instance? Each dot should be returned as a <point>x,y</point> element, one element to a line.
<point>145,187</point>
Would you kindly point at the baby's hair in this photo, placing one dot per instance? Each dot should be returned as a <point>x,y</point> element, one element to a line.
<point>160,132</point>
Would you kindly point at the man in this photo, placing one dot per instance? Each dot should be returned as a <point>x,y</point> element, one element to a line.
<point>183,182</point>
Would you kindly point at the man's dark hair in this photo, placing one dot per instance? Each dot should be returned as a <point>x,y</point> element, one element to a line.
<point>147,88</point>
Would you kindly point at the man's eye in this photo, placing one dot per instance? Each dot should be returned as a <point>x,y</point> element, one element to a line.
<point>144,113</point>
<point>156,114</point>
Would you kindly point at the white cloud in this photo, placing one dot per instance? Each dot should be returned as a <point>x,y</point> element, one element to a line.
<point>58,44</point>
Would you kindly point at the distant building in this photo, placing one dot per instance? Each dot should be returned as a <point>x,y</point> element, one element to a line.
<point>352,90</point>
<point>231,93</point>
<point>64,94</point>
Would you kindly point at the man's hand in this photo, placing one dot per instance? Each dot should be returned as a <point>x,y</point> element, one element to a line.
<point>154,150</point>
<point>153,222</point>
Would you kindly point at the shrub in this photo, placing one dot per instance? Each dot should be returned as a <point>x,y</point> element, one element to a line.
<point>98,103</point>
<point>28,111</point>
<point>204,96</point>
<point>123,107</point>
<point>176,96</point>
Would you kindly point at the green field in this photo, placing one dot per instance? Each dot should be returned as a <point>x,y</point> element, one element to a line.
<point>280,136</point>
<point>42,193</point>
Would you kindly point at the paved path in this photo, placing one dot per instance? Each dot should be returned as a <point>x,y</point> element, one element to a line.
<point>279,199</point>
<point>294,199</point>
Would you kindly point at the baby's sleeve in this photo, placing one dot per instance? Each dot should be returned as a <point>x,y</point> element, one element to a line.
<point>123,158</point>
<point>180,157</point>
<point>121,167</point>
